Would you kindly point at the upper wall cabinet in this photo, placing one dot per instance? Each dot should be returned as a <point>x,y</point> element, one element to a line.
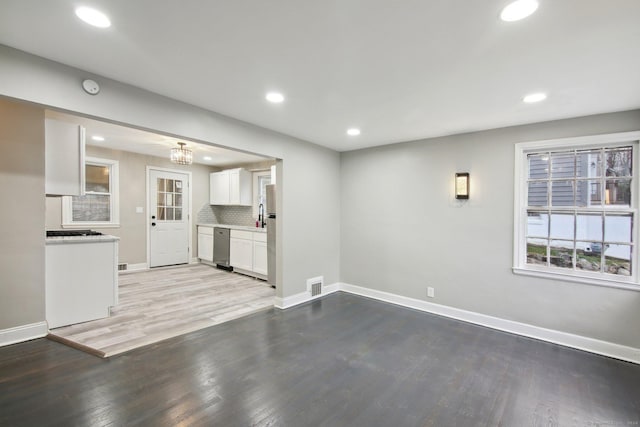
<point>230,187</point>
<point>64,158</point>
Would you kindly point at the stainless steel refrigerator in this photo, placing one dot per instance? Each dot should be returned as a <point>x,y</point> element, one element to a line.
<point>271,234</point>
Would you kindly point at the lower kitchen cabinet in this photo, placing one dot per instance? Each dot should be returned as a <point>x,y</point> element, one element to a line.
<point>260,254</point>
<point>205,243</point>
<point>248,252</point>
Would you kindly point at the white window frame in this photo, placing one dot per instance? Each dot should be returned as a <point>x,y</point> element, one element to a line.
<point>256,191</point>
<point>114,173</point>
<point>520,265</point>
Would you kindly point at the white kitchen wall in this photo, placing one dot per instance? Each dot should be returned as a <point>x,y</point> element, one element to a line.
<point>403,231</point>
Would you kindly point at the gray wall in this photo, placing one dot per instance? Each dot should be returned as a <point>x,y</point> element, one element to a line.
<point>308,175</point>
<point>402,230</point>
<point>22,214</point>
<point>133,177</point>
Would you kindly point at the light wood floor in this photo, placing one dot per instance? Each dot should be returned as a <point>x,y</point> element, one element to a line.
<point>162,303</point>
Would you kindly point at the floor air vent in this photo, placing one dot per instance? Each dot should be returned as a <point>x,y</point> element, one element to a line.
<point>123,267</point>
<point>314,285</point>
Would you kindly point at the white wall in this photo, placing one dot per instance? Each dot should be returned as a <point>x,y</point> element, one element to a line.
<point>402,230</point>
<point>308,180</point>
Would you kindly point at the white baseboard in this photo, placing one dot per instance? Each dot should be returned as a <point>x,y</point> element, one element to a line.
<point>303,297</point>
<point>23,333</point>
<point>135,267</point>
<point>605,348</point>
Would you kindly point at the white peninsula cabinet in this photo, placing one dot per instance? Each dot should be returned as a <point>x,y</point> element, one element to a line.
<point>230,187</point>
<point>248,252</point>
<point>64,158</point>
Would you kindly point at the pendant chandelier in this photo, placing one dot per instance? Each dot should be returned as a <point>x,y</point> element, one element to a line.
<point>181,155</point>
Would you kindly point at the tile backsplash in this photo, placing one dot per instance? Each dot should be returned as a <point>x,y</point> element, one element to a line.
<point>231,215</point>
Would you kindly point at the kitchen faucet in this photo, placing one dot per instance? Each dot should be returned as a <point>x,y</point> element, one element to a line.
<point>261,215</point>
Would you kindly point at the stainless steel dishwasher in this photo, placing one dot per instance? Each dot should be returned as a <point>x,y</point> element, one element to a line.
<point>221,248</point>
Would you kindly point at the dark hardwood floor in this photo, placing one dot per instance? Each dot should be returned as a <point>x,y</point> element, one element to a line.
<point>343,360</point>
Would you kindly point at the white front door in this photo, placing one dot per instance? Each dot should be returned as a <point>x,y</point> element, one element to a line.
<point>169,218</point>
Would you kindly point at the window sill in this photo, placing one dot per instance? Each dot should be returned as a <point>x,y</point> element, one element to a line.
<point>609,283</point>
<point>85,225</point>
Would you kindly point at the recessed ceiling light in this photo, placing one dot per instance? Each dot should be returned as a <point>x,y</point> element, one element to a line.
<point>275,97</point>
<point>97,138</point>
<point>518,10</point>
<point>93,17</point>
<point>207,158</point>
<point>353,132</point>
<point>535,97</point>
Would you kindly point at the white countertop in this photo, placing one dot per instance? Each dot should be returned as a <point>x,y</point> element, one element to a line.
<point>235,227</point>
<point>56,240</point>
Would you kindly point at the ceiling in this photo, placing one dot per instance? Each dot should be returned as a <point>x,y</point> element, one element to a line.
<point>151,144</point>
<point>397,70</point>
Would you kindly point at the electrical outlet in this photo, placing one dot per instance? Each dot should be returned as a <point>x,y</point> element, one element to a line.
<point>431,293</point>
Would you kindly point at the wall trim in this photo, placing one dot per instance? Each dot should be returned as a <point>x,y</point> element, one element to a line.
<point>131,268</point>
<point>302,297</point>
<point>23,333</point>
<point>604,348</point>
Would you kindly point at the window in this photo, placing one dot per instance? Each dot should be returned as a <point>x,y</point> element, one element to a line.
<point>260,180</point>
<point>576,209</point>
<point>99,205</point>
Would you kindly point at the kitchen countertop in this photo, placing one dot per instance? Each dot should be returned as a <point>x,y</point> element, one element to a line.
<point>56,240</point>
<point>235,227</point>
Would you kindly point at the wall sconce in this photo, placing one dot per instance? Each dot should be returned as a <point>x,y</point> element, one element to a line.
<point>462,185</point>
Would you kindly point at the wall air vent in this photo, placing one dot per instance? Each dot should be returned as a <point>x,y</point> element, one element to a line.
<point>314,285</point>
<point>123,267</point>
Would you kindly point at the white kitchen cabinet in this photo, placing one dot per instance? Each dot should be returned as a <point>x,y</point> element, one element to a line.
<point>248,252</point>
<point>205,243</point>
<point>241,250</point>
<point>260,257</point>
<point>230,187</point>
<point>64,158</point>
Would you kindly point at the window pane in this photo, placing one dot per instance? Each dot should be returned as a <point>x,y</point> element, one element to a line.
<point>589,227</point>
<point>537,194</point>
<point>169,185</point>
<point>168,199</point>
<point>561,254</point>
<point>618,228</point>
<point>618,192</point>
<point>178,186</point>
<point>583,193</point>
<point>91,208</point>
<point>161,186</point>
<point>97,178</point>
<point>589,164</point>
<point>538,166</point>
<point>563,165</point>
<point>178,200</point>
<point>169,214</point>
<point>178,214</point>
<point>618,260</point>
<point>586,259</point>
<point>537,224</point>
<point>618,161</point>
<point>161,214</point>
<point>562,193</point>
<point>561,226</point>
<point>537,251</point>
